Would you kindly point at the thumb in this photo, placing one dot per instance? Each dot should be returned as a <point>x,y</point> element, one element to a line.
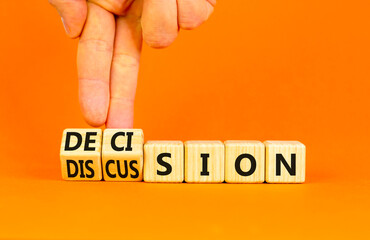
<point>73,14</point>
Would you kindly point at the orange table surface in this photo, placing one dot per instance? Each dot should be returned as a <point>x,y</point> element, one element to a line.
<point>54,209</point>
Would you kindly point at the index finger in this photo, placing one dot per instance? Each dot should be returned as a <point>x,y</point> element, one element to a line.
<point>94,59</point>
<point>125,67</point>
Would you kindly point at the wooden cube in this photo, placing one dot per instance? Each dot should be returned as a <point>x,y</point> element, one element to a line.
<point>122,156</point>
<point>285,162</point>
<point>164,161</point>
<point>204,161</point>
<point>80,154</point>
<point>244,162</point>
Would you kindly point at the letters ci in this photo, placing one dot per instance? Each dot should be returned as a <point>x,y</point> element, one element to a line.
<point>129,141</point>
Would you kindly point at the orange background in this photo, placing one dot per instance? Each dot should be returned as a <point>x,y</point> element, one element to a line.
<point>256,70</point>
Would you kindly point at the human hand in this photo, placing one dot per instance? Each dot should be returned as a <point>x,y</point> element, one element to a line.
<point>111,33</point>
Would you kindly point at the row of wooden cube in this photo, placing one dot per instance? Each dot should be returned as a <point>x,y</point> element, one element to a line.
<point>121,155</point>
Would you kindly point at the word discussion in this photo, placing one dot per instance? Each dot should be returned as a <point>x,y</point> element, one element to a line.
<point>122,155</point>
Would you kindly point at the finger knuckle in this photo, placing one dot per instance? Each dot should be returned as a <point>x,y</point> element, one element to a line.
<point>98,44</point>
<point>124,60</point>
<point>158,40</point>
<point>191,22</point>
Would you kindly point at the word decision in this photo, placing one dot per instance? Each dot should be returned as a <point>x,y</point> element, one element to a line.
<point>121,155</point>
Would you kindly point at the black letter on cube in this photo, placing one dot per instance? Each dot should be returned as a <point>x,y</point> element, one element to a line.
<point>88,141</point>
<point>204,157</point>
<point>129,140</point>
<point>164,164</point>
<point>280,159</point>
<point>238,161</point>
<point>68,141</point>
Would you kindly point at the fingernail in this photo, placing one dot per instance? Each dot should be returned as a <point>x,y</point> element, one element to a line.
<point>65,26</point>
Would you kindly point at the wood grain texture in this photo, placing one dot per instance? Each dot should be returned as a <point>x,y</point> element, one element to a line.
<point>122,156</point>
<point>83,165</point>
<point>171,152</point>
<point>194,161</point>
<point>239,149</point>
<point>275,152</point>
